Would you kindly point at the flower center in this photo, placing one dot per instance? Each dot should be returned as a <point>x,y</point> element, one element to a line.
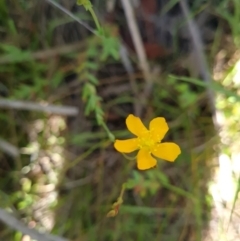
<point>146,141</point>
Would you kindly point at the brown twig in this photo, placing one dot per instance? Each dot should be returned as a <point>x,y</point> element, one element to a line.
<point>139,47</point>
<point>27,105</point>
<point>15,224</point>
<point>9,148</point>
<point>130,70</point>
<point>200,58</point>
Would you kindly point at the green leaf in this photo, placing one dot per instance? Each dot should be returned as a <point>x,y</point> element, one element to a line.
<point>91,78</point>
<point>85,92</point>
<point>162,177</point>
<point>91,103</point>
<point>91,65</point>
<point>23,92</point>
<point>57,79</point>
<point>92,51</point>
<point>10,49</point>
<point>130,184</point>
<point>110,48</point>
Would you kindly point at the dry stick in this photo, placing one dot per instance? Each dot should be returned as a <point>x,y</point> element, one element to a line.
<point>49,53</point>
<point>73,16</point>
<point>136,37</point>
<point>129,68</point>
<point>9,148</point>
<point>201,60</point>
<point>27,105</point>
<point>15,224</point>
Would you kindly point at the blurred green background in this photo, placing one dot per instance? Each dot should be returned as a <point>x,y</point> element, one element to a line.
<point>59,172</point>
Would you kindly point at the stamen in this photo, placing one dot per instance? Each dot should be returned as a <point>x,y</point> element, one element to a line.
<point>146,141</point>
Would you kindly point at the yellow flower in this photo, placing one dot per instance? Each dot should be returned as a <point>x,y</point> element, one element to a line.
<point>148,142</point>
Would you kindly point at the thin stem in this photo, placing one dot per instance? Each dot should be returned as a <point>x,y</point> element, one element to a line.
<point>95,19</point>
<point>72,16</point>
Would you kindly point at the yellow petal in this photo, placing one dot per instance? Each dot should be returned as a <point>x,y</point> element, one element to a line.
<point>168,151</point>
<point>126,146</point>
<point>158,128</point>
<point>135,125</point>
<point>145,160</point>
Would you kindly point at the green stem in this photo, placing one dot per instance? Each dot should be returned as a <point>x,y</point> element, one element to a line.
<point>122,191</point>
<point>95,19</point>
<point>110,135</point>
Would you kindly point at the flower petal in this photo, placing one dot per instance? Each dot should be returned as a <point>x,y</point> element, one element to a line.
<point>168,151</point>
<point>135,125</point>
<point>145,160</point>
<point>126,146</point>
<point>158,128</point>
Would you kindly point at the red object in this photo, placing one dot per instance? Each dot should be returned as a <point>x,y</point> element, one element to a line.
<point>152,46</point>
